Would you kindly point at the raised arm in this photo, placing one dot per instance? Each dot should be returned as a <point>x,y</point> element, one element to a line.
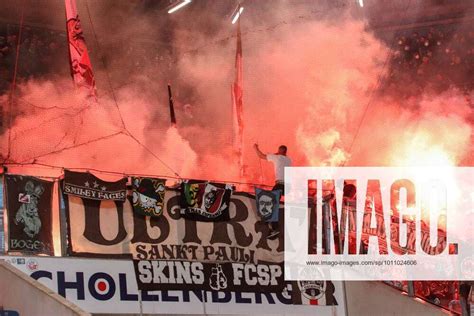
<point>259,153</point>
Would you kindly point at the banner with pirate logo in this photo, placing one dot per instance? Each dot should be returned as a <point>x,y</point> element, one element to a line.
<point>29,204</point>
<point>86,185</point>
<point>268,204</point>
<point>229,276</point>
<point>148,196</point>
<point>207,202</point>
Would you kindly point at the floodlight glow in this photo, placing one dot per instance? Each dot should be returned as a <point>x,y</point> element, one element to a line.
<point>237,15</point>
<point>361,3</point>
<point>179,6</point>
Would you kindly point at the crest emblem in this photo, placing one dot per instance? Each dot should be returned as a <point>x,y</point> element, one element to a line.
<point>312,290</point>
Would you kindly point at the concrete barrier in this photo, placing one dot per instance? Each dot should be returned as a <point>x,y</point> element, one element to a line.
<point>20,293</point>
<point>376,298</point>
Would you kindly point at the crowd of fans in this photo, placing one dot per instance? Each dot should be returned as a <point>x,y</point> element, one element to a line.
<point>434,58</point>
<point>41,52</point>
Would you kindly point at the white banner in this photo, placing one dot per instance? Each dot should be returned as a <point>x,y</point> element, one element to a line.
<point>109,286</point>
<point>108,228</point>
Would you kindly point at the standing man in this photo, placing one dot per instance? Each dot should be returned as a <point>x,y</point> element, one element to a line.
<point>280,161</point>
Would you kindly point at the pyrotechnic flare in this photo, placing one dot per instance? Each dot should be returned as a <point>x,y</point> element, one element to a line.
<point>81,68</point>
<point>237,105</point>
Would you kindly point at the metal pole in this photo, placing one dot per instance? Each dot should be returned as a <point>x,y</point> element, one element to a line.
<point>346,312</point>
<point>411,289</point>
<point>140,303</point>
<point>204,301</point>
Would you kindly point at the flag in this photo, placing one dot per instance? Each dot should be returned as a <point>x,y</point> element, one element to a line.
<point>148,196</point>
<point>29,205</point>
<point>237,106</point>
<point>170,101</point>
<point>207,202</point>
<point>81,68</point>
<point>268,204</point>
<point>88,186</point>
<point>94,212</point>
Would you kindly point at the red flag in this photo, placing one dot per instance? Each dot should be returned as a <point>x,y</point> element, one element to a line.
<point>237,105</point>
<point>81,68</point>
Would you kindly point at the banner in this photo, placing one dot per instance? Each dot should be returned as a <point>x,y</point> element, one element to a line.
<point>148,196</point>
<point>88,186</point>
<point>81,68</point>
<point>102,201</point>
<point>185,275</point>
<point>29,204</point>
<point>109,228</point>
<point>268,204</point>
<point>206,202</point>
<point>107,286</point>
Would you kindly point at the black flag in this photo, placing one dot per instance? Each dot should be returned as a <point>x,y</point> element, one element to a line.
<point>170,99</point>
<point>202,201</point>
<point>88,186</point>
<point>29,214</point>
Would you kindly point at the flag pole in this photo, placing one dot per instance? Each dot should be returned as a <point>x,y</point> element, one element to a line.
<point>237,104</point>
<point>170,100</point>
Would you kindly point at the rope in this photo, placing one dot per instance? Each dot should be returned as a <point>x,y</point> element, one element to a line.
<point>153,154</point>
<point>112,91</point>
<point>73,146</point>
<point>109,82</point>
<point>126,174</point>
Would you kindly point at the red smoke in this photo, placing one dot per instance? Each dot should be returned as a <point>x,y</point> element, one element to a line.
<point>306,85</point>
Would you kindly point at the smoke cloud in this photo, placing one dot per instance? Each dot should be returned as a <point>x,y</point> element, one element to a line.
<point>308,83</point>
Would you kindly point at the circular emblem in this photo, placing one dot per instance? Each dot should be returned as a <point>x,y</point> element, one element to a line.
<point>32,264</point>
<point>101,286</point>
<point>312,290</point>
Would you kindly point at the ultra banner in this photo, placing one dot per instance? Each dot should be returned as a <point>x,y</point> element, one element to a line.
<point>29,214</point>
<point>185,275</point>
<point>108,228</point>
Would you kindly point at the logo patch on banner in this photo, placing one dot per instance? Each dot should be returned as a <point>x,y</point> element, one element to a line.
<point>86,185</point>
<point>268,204</point>
<point>24,198</point>
<point>148,196</point>
<point>314,292</point>
<point>29,214</point>
<point>205,201</point>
